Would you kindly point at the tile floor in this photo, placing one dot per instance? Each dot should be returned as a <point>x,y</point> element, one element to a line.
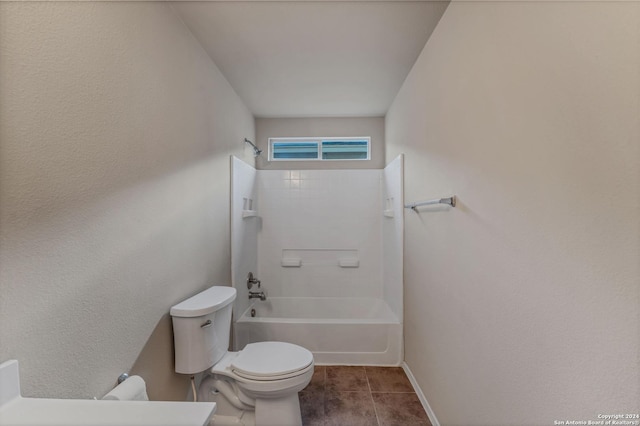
<point>361,396</point>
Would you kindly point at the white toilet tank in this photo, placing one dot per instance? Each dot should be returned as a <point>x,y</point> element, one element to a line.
<point>201,329</point>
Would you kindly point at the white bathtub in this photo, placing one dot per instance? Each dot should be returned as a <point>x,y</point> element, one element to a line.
<point>349,331</point>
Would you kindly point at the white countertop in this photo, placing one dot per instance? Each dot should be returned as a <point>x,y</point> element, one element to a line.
<point>84,412</point>
<point>16,410</point>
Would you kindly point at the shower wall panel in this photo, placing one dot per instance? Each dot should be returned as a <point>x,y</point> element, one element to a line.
<point>321,233</point>
<point>393,235</point>
<point>244,230</point>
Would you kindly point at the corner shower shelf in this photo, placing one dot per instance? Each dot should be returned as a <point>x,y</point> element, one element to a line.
<point>388,213</point>
<point>249,213</point>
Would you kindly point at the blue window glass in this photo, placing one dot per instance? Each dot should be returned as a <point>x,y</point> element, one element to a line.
<point>319,148</point>
<point>295,150</point>
<point>345,149</point>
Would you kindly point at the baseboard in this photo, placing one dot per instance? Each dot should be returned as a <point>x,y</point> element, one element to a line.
<point>421,397</point>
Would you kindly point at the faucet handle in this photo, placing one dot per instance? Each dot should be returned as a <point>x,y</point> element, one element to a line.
<point>251,280</point>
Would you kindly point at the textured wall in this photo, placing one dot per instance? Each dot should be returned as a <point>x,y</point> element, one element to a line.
<point>521,304</point>
<point>116,131</point>
<point>321,127</point>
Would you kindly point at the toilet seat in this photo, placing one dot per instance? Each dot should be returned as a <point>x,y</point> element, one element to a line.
<point>266,361</point>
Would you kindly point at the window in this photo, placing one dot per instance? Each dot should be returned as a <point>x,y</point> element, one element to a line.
<point>322,149</point>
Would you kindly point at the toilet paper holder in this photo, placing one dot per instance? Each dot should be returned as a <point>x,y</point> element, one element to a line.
<point>122,377</point>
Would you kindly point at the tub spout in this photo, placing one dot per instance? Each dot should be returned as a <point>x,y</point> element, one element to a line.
<point>257,295</point>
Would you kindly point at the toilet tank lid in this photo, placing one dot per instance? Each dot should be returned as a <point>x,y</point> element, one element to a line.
<point>204,303</point>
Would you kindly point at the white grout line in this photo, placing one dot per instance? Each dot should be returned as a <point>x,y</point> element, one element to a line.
<point>421,397</point>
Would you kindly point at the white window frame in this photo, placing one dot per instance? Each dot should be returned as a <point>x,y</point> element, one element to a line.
<point>319,141</point>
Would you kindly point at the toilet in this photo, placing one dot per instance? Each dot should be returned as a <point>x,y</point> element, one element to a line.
<point>258,385</point>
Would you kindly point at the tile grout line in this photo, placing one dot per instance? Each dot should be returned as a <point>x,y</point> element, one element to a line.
<point>378,422</point>
<point>324,396</point>
<point>375,411</point>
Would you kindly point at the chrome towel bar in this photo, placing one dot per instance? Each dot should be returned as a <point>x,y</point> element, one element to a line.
<point>450,201</point>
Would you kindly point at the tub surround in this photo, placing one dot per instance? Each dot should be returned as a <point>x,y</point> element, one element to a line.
<point>327,309</point>
<point>343,331</point>
<point>322,217</point>
<point>333,222</point>
<point>327,246</point>
<point>244,230</point>
<point>393,235</point>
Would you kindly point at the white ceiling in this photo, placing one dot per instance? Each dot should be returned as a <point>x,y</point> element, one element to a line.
<point>313,58</point>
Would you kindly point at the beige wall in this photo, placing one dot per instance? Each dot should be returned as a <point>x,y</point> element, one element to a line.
<point>320,127</point>
<point>521,304</point>
<point>116,131</point>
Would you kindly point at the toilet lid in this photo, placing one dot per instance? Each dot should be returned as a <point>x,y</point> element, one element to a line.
<point>268,359</point>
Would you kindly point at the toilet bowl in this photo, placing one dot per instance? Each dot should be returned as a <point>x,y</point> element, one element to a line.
<point>263,377</point>
<point>269,375</point>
